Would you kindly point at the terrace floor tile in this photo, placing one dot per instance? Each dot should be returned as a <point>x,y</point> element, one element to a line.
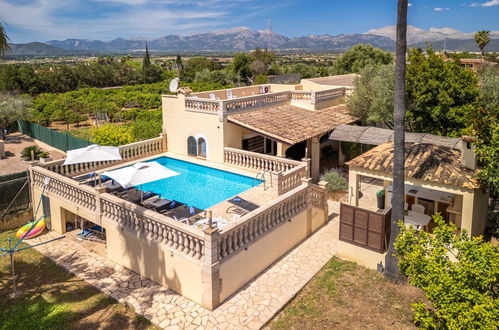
<point>251,307</point>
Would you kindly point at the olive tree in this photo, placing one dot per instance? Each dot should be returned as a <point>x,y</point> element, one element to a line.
<point>12,108</point>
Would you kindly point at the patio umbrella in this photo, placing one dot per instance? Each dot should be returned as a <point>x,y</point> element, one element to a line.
<point>92,153</point>
<point>140,173</point>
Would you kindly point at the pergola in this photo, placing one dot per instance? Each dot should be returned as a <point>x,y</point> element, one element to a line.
<point>376,136</point>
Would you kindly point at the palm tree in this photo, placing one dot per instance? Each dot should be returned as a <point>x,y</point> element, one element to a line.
<point>392,271</point>
<point>482,38</point>
<point>4,41</point>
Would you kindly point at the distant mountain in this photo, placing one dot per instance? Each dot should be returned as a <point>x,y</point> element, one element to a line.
<point>416,35</point>
<point>236,39</point>
<point>40,49</point>
<point>244,39</point>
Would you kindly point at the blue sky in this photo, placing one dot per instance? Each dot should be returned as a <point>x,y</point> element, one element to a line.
<point>42,20</point>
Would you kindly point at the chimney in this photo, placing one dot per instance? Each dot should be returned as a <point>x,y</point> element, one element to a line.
<point>468,156</point>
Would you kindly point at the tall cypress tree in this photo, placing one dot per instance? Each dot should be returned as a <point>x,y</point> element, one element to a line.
<point>146,62</point>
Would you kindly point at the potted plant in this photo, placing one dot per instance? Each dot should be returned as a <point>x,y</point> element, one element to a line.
<point>380,197</point>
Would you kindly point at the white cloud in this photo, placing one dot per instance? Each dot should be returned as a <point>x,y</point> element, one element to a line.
<point>409,4</point>
<point>441,9</point>
<point>485,4</point>
<point>107,19</point>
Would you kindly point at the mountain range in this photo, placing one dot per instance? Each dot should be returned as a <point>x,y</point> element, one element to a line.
<point>244,39</point>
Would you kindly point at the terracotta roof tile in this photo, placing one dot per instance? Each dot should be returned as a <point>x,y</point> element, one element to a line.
<point>423,161</point>
<point>291,124</point>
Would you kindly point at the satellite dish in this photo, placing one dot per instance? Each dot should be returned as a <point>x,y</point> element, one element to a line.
<point>174,85</point>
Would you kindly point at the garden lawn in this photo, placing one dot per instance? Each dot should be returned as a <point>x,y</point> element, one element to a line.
<point>52,298</point>
<point>344,295</point>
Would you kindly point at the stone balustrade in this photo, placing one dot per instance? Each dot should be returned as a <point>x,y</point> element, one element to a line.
<point>128,152</point>
<point>250,227</point>
<point>255,101</point>
<point>261,100</point>
<point>258,162</point>
<point>301,96</point>
<point>291,178</point>
<point>154,226</point>
<point>66,188</point>
<point>328,94</point>
<point>318,195</point>
<point>202,105</point>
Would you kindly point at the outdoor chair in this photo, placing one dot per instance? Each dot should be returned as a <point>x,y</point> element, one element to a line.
<point>418,208</point>
<point>240,206</point>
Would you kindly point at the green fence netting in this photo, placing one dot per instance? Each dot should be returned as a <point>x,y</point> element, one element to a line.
<point>59,140</point>
<point>13,185</point>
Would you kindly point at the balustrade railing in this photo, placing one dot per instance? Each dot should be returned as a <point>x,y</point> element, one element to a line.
<point>258,162</point>
<point>154,226</point>
<point>329,94</point>
<point>66,188</point>
<point>128,152</point>
<point>256,101</point>
<point>318,196</point>
<point>253,225</point>
<point>301,96</point>
<point>291,178</point>
<point>204,105</point>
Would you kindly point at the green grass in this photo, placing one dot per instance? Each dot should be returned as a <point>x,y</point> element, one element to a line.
<point>344,295</point>
<point>51,298</point>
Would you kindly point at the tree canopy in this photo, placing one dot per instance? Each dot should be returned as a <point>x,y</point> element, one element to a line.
<point>373,97</point>
<point>360,56</point>
<point>439,94</point>
<point>12,108</point>
<point>458,274</point>
<point>4,41</point>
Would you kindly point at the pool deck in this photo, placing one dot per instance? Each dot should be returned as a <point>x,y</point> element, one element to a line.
<point>258,195</point>
<point>250,308</point>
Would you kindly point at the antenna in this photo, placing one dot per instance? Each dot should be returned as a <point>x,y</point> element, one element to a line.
<point>270,34</point>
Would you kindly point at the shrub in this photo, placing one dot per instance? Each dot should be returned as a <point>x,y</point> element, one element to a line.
<point>112,135</point>
<point>335,180</point>
<point>146,129</point>
<point>458,274</point>
<point>30,151</point>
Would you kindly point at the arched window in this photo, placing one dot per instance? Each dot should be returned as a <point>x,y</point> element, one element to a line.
<point>192,149</point>
<point>202,147</point>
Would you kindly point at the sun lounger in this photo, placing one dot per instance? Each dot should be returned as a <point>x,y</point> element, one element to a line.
<point>135,196</point>
<point>113,186</point>
<point>161,204</point>
<point>240,206</point>
<point>185,214</point>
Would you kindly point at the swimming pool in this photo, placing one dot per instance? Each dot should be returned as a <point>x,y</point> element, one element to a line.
<point>198,185</point>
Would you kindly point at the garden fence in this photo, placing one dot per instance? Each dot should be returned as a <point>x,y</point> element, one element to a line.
<point>15,190</point>
<point>59,140</point>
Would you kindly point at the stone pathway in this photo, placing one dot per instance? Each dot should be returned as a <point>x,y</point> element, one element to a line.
<point>250,308</point>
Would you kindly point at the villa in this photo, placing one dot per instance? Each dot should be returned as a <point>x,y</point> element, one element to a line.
<point>246,158</point>
<point>246,192</point>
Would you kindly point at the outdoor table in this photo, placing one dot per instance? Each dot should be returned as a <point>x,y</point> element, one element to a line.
<point>417,219</point>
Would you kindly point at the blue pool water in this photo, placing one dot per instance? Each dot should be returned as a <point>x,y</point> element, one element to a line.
<point>197,185</point>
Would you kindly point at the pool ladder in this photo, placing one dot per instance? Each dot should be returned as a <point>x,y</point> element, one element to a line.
<point>262,176</point>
